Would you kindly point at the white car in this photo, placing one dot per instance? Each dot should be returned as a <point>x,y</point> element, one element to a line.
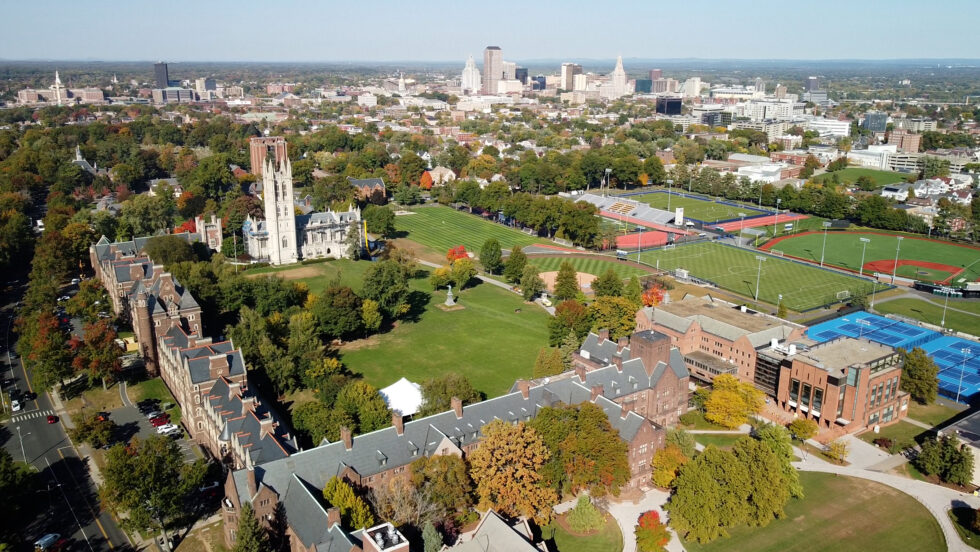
<point>15,405</point>
<point>165,428</point>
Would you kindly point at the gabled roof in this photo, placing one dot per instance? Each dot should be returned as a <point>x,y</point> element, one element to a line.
<point>493,534</point>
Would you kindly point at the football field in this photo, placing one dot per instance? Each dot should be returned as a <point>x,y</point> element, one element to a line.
<point>803,287</point>
<point>701,209</point>
<point>442,228</point>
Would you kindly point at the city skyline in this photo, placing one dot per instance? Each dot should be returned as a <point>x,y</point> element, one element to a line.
<point>446,31</point>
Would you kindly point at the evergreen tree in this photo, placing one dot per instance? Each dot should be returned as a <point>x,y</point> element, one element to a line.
<point>608,284</point>
<point>569,346</point>
<point>920,376</point>
<point>490,256</point>
<point>431,538</point>
<point>514,268</point>
<point>566,282</point>
<point>634,291</point>
<point>251,536</point>
<point>548,363</point>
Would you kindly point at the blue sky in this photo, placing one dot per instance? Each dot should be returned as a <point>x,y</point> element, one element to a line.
<point>421,30</point>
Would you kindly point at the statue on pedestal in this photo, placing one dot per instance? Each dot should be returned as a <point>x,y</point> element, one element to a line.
<point>450,302</point>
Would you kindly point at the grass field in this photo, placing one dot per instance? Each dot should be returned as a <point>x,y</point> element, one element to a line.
<point>902,432</point>
<point>935,414</point>
<point>720,440</point>
<point>700,209</point>
<point>931,313</point>
<point>442,228</point>
<point>318,276</point>
<point>851,174</point>
<point>607,539</point>
<point>844,250</point>
<point>962,519</point>
<point>593,265</point>
<point>840,514</point>
<point>802,287</point>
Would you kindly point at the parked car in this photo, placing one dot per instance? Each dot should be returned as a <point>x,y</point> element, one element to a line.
<point>64,298</point>
<point>153,414</point>
<point>15,405</point>
<point>46,542</point>
<point>52,419</point>
<point>166,428</point>
<point>160,421</point>
<point>75,281</point>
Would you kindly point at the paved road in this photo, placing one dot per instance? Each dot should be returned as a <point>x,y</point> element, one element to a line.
<point>69,499</point>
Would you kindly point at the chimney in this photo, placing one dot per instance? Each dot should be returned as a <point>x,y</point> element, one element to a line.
<point>457,407</point>
<point>580,372</point>
<point>346,436</point>
<point>333,516</point>
<point>524,387</point>
<point>596,391</point>
<point>218,365</point>
<point>626,407</point>
<point>252,485</point>
<point>603,334</point>
<point>398,421</point>
<point>622,344</point>
<point>618,361</point>
<point>266,427</point>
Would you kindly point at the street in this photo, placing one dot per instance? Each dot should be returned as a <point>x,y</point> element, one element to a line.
<point>68,503</point>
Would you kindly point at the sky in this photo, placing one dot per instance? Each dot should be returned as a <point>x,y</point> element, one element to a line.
<point>440,30</point>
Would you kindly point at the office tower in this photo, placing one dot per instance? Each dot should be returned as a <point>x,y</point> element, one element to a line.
<point>692,87</point>
<point>568,72</point>
<point>162,76</point>
<point>669,106</point>
<point>779,92</point>
<point>470,80</point>
<point>204,85</point>
<point>617,80</point>
<point>760,85</point>
<point>493,68</point>
<point>521,74</point>
<point>539,82</point>
<point>875,121</point>
<point>812,84</point>
<point>643,86</point>
<point>509,68</point>
<point>656,74</point>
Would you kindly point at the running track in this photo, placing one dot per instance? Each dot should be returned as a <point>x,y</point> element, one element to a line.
<point>758,221</point>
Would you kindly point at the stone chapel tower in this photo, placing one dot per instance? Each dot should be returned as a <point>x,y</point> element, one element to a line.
<point>280,217</point>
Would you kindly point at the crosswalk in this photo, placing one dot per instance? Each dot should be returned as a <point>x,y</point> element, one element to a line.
<point>31,415</point>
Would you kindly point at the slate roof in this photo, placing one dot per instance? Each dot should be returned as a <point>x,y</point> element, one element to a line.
<point>308,519</point>
<point>198,360</point>
<point>245,422</point>
<point>760,330</point>
<point>493,534</point>
<point>366,182</point>
<point>132,247</point>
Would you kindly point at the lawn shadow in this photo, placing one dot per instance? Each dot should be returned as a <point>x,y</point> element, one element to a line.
<point>417,302</point>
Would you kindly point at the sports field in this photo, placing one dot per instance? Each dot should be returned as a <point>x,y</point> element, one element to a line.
<point>802,287</point>
<point>592,265</point>
<point>851,174</point>
<point>919,258</point>
<point>442,228</point>
<point>840,514</point>
<point>701,209</point>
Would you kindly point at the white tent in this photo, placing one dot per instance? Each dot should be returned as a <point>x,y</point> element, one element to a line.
<point>403,396</point>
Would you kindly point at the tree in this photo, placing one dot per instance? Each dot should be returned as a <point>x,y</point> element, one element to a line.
<point>667,463</point>
<point>490,256</point>
<point>354,511</point>
<point>338,314</point>
<point>251,536</point>
<point>569,346</point>
<point>402,503</point>
<point>548,363</point>
<point>380,220</point>
<point>144,215</point>
<point>386,283</point>
<point>803,429</point>
<point>312,418</point>
<point>566,282</point>
<point>608,284</point>
<point>634,292</point>
<point>353,241</point>
<point>711,496</point>
<point>437,393</point>
<point>947,459</point>
<point>682,440</point>
<point>838,450</point>
<point>456,253</point>
<point>170,249</point>
<point>781,311</point>
<point>651,533</point>
<point>98,354</point>
<point>462,272</point>
<point>150,481</point>
<point>570,317</point>
<point>920,375</point>
<point>732,401</point>
<point>49,357</point>
<point>94,430</point>
<point>531,283</point>
<point>362,406</point>
<point>585,517</point>
<point>514,267</point>
<point>371,315</point>
<point>506,468</point>
<point>431,539</point>
<point>617,314</point>
<point>447,481</point>
<point>19,483</point>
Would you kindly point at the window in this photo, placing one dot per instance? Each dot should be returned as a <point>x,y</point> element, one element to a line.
<point>840,403</point>
<point>794,390</point>
<point>805,398</point>
<point>817,399</point>
<point>873,419</point>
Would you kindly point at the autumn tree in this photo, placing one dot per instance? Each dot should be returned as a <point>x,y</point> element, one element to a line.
<point>778,438</point>
<point>838,450</point>
<point>548,363</point>
<point>769,488</point>
<point>651,533</point>
<point>652,296</point>
<point>803,429</point>
<point>732,401</point>
<point>566,282</point>
<point>98,355</point>
<point>514,267</point>
<point>919,375</point>
<point>490,256</point>
<point>354,511</point>
<point>506,468</point>
<point>462,272</point>
<point>402,503</point>
<point>447,482</point>
<point>570,317</point>
<point>667,463</point>
<point>437,393</point>
<point>49,357</point>
<point>456,253</point>
<point>616,314</point>
<point>608,284</point>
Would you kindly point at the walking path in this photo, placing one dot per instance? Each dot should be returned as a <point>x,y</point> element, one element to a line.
<point>917,423</point>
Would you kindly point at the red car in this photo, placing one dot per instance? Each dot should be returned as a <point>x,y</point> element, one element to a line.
<point>52,419</point>
<point>160,420</point>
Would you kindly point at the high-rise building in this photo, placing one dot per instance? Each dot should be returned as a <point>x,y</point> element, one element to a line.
<point>669,106</point>
<point>509,69</point>
<point>875,121</point>
<point>161,74</point>
<point>568,72</point>
<point>643,86</point>
<point>618,85</point>
<point>779,92</point>
<point>656,74</point>
<point>521,74</point>
<point>470,81</point>
<point>205,85</point>
<point>260,148</point>
<point>692,87</point>
<point>812,84</point>
<point>760,85</point>
<point>493,68</point>
<point>539,82</point>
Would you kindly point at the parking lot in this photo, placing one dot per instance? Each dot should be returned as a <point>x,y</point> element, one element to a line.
<point>132,422</point>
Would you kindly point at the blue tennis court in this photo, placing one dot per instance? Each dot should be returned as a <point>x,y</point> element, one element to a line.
<point>879,329</point>
<point>956,356</point>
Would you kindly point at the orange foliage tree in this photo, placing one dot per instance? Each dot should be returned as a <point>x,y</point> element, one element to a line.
<point>653,296</point>
<point>651,533</point>
<point>426,181</point>
<point>458,252</point>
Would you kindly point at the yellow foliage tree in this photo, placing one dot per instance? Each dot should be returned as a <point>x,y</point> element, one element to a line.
<point>667,463</point>
<point>725,408</point>
<point>507,471</point>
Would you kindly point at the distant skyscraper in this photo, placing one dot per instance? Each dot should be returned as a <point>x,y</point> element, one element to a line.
<point>812,84</point>
<point>760,85</point>
<point>617,80</point>
<point>509,69</point>
<point>692,87</point>
<point>470,80</point>
<point>162,76</point>
<point>59,89</point>
<point>493,68</point>
<point>568,72</point>
<point>656,74</point>
<point>779,91</point>
<point>875,121</point>
<point>521,74</point>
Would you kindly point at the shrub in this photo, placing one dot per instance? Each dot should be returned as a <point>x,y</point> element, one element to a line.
<point>690,418</point>
<point>585,517</point>
<point>883,442</point>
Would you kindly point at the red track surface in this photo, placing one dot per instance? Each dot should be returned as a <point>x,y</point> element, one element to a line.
<point>886,265</point>
<point>761,221</point>
<point>638,222</point>
<point>646,239</point>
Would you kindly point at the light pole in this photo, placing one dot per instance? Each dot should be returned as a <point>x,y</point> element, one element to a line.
<point>864,248</point>
<point>946,292</point>
<point>608,172</point>
<point>965,351</point>
<point>669,184</point>
<point>21,438</point>
<point>779,299</point>
<point>741,224</point>
<point>826,225</point>
<point>776,220</point>
<point>897,249</point>
<point>874,289</point>
<point>758,277</point>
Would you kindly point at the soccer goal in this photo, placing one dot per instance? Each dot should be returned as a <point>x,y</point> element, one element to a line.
<point>843,295</point>
<point>670,246</point>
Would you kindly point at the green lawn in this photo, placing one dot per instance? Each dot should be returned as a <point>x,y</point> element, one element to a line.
<point>932,313</point>
<point>934,414</point>
<point>902,432</point>
<point>608,539</point>
<point>442,228</point>
<point>802,287</point>
<point>962,519</point>
<point>850,175</point>
<point>699,422</point>
<point>840,514</point>
<point>318,276</point>
<point>705,210</point>
<point>487,341</point>
<point>593,265</point>
<point>720,440</point>
<point>844,250</point>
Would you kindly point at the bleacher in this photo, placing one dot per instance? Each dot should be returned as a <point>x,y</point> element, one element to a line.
<point>629,208</point>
